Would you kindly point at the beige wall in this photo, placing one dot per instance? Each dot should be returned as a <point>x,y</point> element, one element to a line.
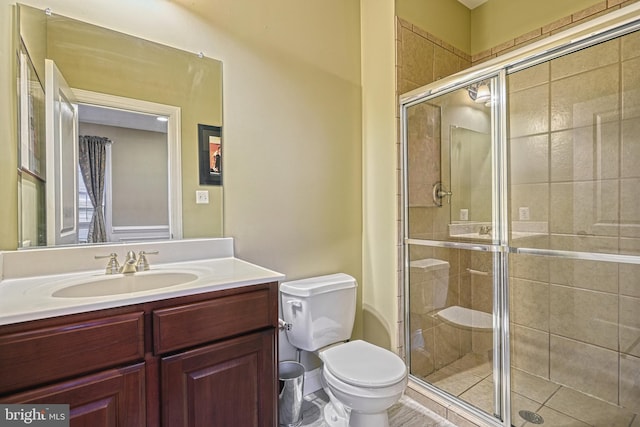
<point>497,21</point>
<point>292,118</point>
<point>448,20</point>
<point>8,132</point>
<point>380,165</point>
<point>292,114</point>
<point>493,23</point>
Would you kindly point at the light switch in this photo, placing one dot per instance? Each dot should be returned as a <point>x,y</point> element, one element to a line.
<point>202,197</point>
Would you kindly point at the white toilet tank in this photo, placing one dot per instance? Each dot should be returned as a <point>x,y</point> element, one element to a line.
<point>321,310</point>
<point>429,285</point>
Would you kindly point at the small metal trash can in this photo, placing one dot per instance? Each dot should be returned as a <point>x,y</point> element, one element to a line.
<point>291,382</point>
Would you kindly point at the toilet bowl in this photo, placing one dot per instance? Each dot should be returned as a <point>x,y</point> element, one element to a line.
<point>362,380</point>
<point>429,288</point>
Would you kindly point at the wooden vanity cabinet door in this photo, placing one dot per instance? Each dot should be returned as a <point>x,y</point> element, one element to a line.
<point>230,383</point>
<point>113,398</point>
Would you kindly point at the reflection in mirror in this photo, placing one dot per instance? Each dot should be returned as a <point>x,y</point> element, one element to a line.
<point>423,153</point>
<point>210,143</point>
<point>470,175</point>
<point>147,192</point>
<point>31,188</point>
<point>449,163</point>
<point>129,186</point>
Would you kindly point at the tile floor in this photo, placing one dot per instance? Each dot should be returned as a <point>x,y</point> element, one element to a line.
<point>405,413</point>
<point>470,378</point>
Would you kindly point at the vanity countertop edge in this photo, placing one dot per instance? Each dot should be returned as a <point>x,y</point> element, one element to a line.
<point>30,298</point>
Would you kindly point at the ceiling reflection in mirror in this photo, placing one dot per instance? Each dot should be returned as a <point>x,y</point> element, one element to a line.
<point>150,171</point>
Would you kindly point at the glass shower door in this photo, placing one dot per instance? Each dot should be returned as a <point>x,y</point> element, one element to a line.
<point>574,220</point>
<point>453,243</point>
<point>522,248</point>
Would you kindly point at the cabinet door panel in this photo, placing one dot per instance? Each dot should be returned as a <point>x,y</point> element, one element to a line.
<point>114,398</point>
<point>231,383</point>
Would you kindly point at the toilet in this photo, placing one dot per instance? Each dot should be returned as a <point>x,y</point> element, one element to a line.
<point>429,288</point>
<point>362,380</point>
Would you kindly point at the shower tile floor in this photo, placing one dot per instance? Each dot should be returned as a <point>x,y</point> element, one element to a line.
<point>470,378</point>
<point>406,413</point>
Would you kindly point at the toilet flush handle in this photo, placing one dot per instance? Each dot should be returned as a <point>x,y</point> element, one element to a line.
<point>295,303</point>
<point>296,306</point>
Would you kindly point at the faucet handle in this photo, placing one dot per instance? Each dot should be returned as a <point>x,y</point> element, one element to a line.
<point>439,192</point>
<point>112,266</point>
<point>143,264</point>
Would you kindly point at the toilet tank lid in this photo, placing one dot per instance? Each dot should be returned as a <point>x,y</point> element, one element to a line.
<point>318,285</point>
<point>429,264</point>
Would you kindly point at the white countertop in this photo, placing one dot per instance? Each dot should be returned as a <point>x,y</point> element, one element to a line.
<point>519,230</point>
<point>515,235</point>
<point>30,298</point>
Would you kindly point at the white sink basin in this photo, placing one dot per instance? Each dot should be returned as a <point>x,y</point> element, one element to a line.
<point>124,284</point>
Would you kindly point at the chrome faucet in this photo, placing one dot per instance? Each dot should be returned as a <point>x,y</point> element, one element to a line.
<point>130,263</point>
<point>485,229</point>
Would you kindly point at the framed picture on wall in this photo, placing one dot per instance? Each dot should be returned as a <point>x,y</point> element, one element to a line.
<point>210,154</point>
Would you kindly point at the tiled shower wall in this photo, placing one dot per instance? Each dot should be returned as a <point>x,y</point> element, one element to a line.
<point>421,59</point>
<point>575,162</point>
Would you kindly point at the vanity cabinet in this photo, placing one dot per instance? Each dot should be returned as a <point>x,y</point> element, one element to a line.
<point>202,359</point>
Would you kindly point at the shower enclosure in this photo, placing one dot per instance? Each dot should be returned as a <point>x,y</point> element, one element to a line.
<point>521,217</point>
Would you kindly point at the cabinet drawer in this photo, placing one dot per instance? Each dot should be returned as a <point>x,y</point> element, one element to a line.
<point>191,324</point>
<point>114,397</point>
<point>45,354</point>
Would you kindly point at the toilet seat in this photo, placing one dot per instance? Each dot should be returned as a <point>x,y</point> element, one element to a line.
<point>367,395</point>
<point>362,364</point>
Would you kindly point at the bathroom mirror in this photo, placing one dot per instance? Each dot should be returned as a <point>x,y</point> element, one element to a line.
<point>98,64</point>
<point>470,175</point>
